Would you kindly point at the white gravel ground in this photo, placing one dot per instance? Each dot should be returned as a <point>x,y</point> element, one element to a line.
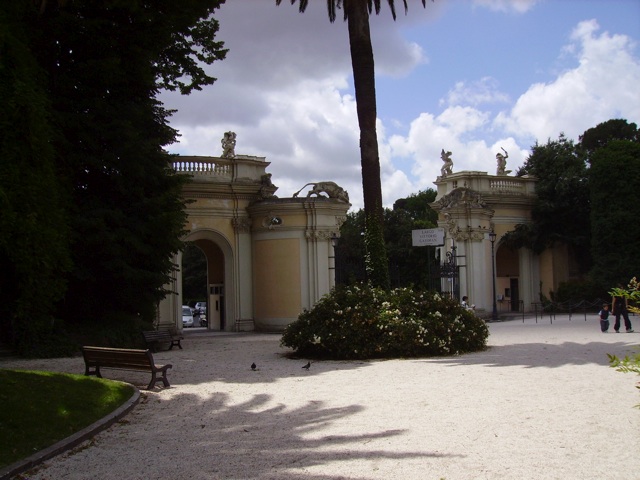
<point>541,403</point>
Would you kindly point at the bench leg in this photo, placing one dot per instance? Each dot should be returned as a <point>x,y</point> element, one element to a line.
<point>95,371</point>
<point>155,379</point>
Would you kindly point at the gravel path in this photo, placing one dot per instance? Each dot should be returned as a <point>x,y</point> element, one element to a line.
<point>541,403</point>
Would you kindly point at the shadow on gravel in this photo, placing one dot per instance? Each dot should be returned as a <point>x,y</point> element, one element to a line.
<point>532,355</point>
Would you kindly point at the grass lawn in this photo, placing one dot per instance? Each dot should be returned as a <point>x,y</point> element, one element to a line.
<point>38,409</point>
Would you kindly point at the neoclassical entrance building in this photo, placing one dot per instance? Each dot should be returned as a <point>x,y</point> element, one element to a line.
<point>476,210</point>
<point>269,258</point>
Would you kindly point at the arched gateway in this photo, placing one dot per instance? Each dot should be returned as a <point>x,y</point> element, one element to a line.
<point>268,258</point>
<point>471,205</point>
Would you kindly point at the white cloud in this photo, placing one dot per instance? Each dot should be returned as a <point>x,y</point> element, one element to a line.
<point>285,89</point>
<point>517,6</point>
<point>482,91</point>
<point>602,86</point>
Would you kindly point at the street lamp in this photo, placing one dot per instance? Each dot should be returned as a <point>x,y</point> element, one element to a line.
<point>492,238</point>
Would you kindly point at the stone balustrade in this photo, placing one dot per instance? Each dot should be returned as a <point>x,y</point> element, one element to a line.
<point>217,169</point>
<point>214,168</point>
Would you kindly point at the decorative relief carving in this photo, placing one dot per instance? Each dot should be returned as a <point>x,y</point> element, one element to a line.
<point>267,188</point>
<point>241,224</point>
<point>463,234</point>
<point>461,197</point>
<point>321,234</point>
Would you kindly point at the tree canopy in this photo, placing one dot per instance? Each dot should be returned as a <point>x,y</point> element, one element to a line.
<point>615,194</point>
<point>96,68</point>
<point>408,265</point>
<point>585,197</point>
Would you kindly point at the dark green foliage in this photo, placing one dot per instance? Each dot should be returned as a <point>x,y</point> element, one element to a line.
<point>417,206</point>
<point>408,265</point>
<point>34,253</point>
<point>361,321</point>
<point>411,265</point>
<point>349,250</point>
<point>615,129</point>
<point>83,114</point>
<point>376,263</point>
<point>128,214</point>
<point>576,292</point>
<point>615,192</point>
<point>561,211</point>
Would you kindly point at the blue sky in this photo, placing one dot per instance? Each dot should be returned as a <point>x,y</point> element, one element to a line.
<point>467,76</point>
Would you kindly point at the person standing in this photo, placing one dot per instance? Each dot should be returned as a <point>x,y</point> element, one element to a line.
<point>604,318</point>
<point>620,308</point>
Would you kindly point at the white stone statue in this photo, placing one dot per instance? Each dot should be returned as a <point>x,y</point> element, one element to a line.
<point>447,167</point>
<point>228,145</point>
<point>332,189</point>
<point>502,163</point>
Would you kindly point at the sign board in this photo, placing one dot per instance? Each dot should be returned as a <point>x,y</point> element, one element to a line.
<point>432,237</point>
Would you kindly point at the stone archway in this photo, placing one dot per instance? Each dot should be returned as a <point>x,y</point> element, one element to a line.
<point>508,278</point>
<point>219,257</point>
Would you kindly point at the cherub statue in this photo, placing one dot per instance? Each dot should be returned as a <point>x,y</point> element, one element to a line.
<point>228,145</point>
<point>502,163</point>
<point>447,168</point>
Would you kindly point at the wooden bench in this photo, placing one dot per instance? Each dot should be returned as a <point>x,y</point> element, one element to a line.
<point>124,359</point>
<point>154,338</point>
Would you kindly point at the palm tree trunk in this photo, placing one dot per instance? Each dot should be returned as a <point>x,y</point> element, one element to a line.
<point>365,89</point>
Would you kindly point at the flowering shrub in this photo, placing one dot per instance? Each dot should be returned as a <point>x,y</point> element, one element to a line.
<point>361,321</point>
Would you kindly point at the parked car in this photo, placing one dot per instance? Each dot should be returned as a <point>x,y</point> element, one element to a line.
<point>187,316</point>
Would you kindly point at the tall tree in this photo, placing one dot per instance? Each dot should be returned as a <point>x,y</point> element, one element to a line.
<point>106,62</point>
<point>614,129</point>
<point>88,117</point>
<point>356,14</point>
<point>615,195</point>
<point>34,246</point>
<point>561,212</point>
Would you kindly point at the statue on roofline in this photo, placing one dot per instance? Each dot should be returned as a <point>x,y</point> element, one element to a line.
<point>228,145</point>
<point>502,163</point>
<point>447,167</point>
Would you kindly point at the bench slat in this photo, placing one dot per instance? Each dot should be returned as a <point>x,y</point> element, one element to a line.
<point>155,337</point>
<point>123,359</point>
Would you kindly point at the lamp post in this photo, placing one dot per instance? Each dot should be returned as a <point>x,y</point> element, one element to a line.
<point>492,238</point>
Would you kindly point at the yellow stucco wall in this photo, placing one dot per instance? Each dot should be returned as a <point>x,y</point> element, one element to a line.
<point>277,280</point>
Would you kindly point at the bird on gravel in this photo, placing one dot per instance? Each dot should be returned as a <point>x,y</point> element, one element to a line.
<point>253,366</point>
<point>306,367</point>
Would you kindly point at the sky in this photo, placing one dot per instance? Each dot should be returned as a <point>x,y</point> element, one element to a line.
<point>468,76</point>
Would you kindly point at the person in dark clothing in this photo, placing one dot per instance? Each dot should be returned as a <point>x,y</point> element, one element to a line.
<point>620,309</point>
<point>604,318</point>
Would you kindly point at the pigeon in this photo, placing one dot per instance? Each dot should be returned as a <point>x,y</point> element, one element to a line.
<point>253,366</point>
<point>306,367</point>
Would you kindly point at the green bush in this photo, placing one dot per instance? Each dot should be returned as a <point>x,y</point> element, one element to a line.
<point>361,321</point>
